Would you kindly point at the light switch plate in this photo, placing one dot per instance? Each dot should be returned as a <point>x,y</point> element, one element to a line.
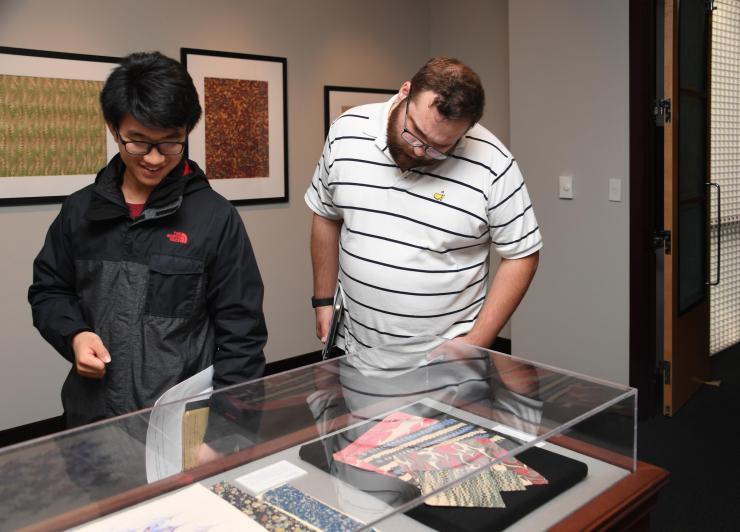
<point>615,189</point>
<point>565,187</point>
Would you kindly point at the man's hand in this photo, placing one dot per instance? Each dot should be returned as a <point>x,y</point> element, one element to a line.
<point>509,285</point>
<point>323,322</point>
<point>91,356</point>
<point>206,454</point>
<point>468,339</point>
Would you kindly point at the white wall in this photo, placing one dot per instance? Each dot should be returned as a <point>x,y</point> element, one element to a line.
<point>569,75</point>
<point>477,32</point>
<point>568,98</point>
<point>327,42</point>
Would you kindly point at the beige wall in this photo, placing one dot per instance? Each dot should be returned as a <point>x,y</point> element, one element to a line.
<point>330,42</point>
<point>563,110</point>
<point>569,74</point>
<point>477,32</point>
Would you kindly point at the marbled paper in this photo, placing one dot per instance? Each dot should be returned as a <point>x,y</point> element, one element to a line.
<point>310,510</point>
<point>268,516</point>
<point>391,428</point>
<point>477,491</point>
<point>50,126</point>
<point>493,450</point>
<point>446,455</point>
<point>237,128</point>
<point>429,453</point>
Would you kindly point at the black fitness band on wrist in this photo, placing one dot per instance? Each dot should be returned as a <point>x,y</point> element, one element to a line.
<point>321,301</point>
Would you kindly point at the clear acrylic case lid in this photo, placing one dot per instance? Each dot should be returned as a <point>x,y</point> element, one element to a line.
<point>389,438</point>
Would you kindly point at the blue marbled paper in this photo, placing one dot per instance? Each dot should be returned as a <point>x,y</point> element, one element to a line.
<point>310,510</point>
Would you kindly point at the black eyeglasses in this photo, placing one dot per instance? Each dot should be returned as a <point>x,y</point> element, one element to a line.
<point>141,148</point>
<point>415,142</point>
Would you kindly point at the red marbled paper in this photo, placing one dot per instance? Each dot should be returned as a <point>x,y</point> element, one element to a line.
<point>237,128</point>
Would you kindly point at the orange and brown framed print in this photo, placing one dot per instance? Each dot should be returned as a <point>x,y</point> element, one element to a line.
<point>338,100</point>
<point>242,140</point>
<point>53,138</point>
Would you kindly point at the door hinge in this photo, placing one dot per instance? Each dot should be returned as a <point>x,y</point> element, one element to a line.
<point>662,111</point>
<point>710,5</point>
<point>665,368</point>
<point>662,239</point>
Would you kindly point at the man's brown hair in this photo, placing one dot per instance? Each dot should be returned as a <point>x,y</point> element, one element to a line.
<point>459,93</point>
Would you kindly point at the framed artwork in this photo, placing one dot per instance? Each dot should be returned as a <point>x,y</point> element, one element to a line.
<point>242,140</point>
<point>338,99</point>
<point>53,138</point>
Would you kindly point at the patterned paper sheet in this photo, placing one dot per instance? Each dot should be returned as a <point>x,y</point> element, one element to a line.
<point>419,433</point>
<point>387,462</point>
<point>392,427</point>
<point>428,432</point>
<point>493,450</point>
<point>50,127</point>
<point>237,128</point>
<point>431,454</point>
<point>507,480</point>
<point>477,491</point>
<point>467,449</point>
<point>267,515</point>
<point>446,455</point>
<point>310,510</point>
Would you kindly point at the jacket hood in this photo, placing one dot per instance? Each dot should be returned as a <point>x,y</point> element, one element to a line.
<point>107,200</point>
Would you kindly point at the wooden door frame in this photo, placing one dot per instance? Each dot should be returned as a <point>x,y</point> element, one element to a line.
<point>686,332</point>
<point>671,90</point>
<point>647,209</point>
<point>643,373</point>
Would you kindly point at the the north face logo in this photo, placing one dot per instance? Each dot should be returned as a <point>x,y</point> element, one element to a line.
<point>178,237</point>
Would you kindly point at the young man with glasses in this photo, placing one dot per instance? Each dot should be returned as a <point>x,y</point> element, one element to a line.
<point>408,198</point>
<point>147,276</point>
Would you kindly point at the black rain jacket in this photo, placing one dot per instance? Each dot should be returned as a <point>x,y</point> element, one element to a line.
<point>169,293</point>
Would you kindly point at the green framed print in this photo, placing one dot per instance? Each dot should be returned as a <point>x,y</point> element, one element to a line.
<point>53,138</point>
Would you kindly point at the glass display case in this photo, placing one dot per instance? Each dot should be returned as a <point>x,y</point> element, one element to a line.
<point>425,434</point>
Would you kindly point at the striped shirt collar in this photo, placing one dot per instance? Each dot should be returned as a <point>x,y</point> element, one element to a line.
<point>377,127</point>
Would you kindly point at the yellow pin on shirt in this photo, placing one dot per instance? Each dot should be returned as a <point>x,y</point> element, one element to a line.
<point>439,196</point>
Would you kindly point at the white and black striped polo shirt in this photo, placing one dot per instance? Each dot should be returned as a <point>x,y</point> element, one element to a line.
<point>414,245</point>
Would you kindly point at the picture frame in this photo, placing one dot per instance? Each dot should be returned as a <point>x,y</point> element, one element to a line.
<point>241,142</point>
<point>338,99</point>
<point>53,138</point>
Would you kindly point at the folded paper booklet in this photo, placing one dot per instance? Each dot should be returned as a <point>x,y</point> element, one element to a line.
<point>194,425</point>
<point>165,433</point>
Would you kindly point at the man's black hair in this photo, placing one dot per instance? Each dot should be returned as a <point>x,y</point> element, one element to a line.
<point>154,89</point>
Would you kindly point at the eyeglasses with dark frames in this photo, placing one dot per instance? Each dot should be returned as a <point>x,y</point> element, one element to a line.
<point>415,142</point>
<point>141,148</point>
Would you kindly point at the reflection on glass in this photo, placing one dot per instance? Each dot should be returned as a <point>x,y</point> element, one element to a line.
<point>396,434</point>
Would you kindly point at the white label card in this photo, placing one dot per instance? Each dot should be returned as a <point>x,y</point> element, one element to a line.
<point>517,434</point>
<point>269,477</point>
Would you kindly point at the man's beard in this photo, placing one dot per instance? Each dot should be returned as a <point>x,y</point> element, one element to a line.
<point>398,148</point>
